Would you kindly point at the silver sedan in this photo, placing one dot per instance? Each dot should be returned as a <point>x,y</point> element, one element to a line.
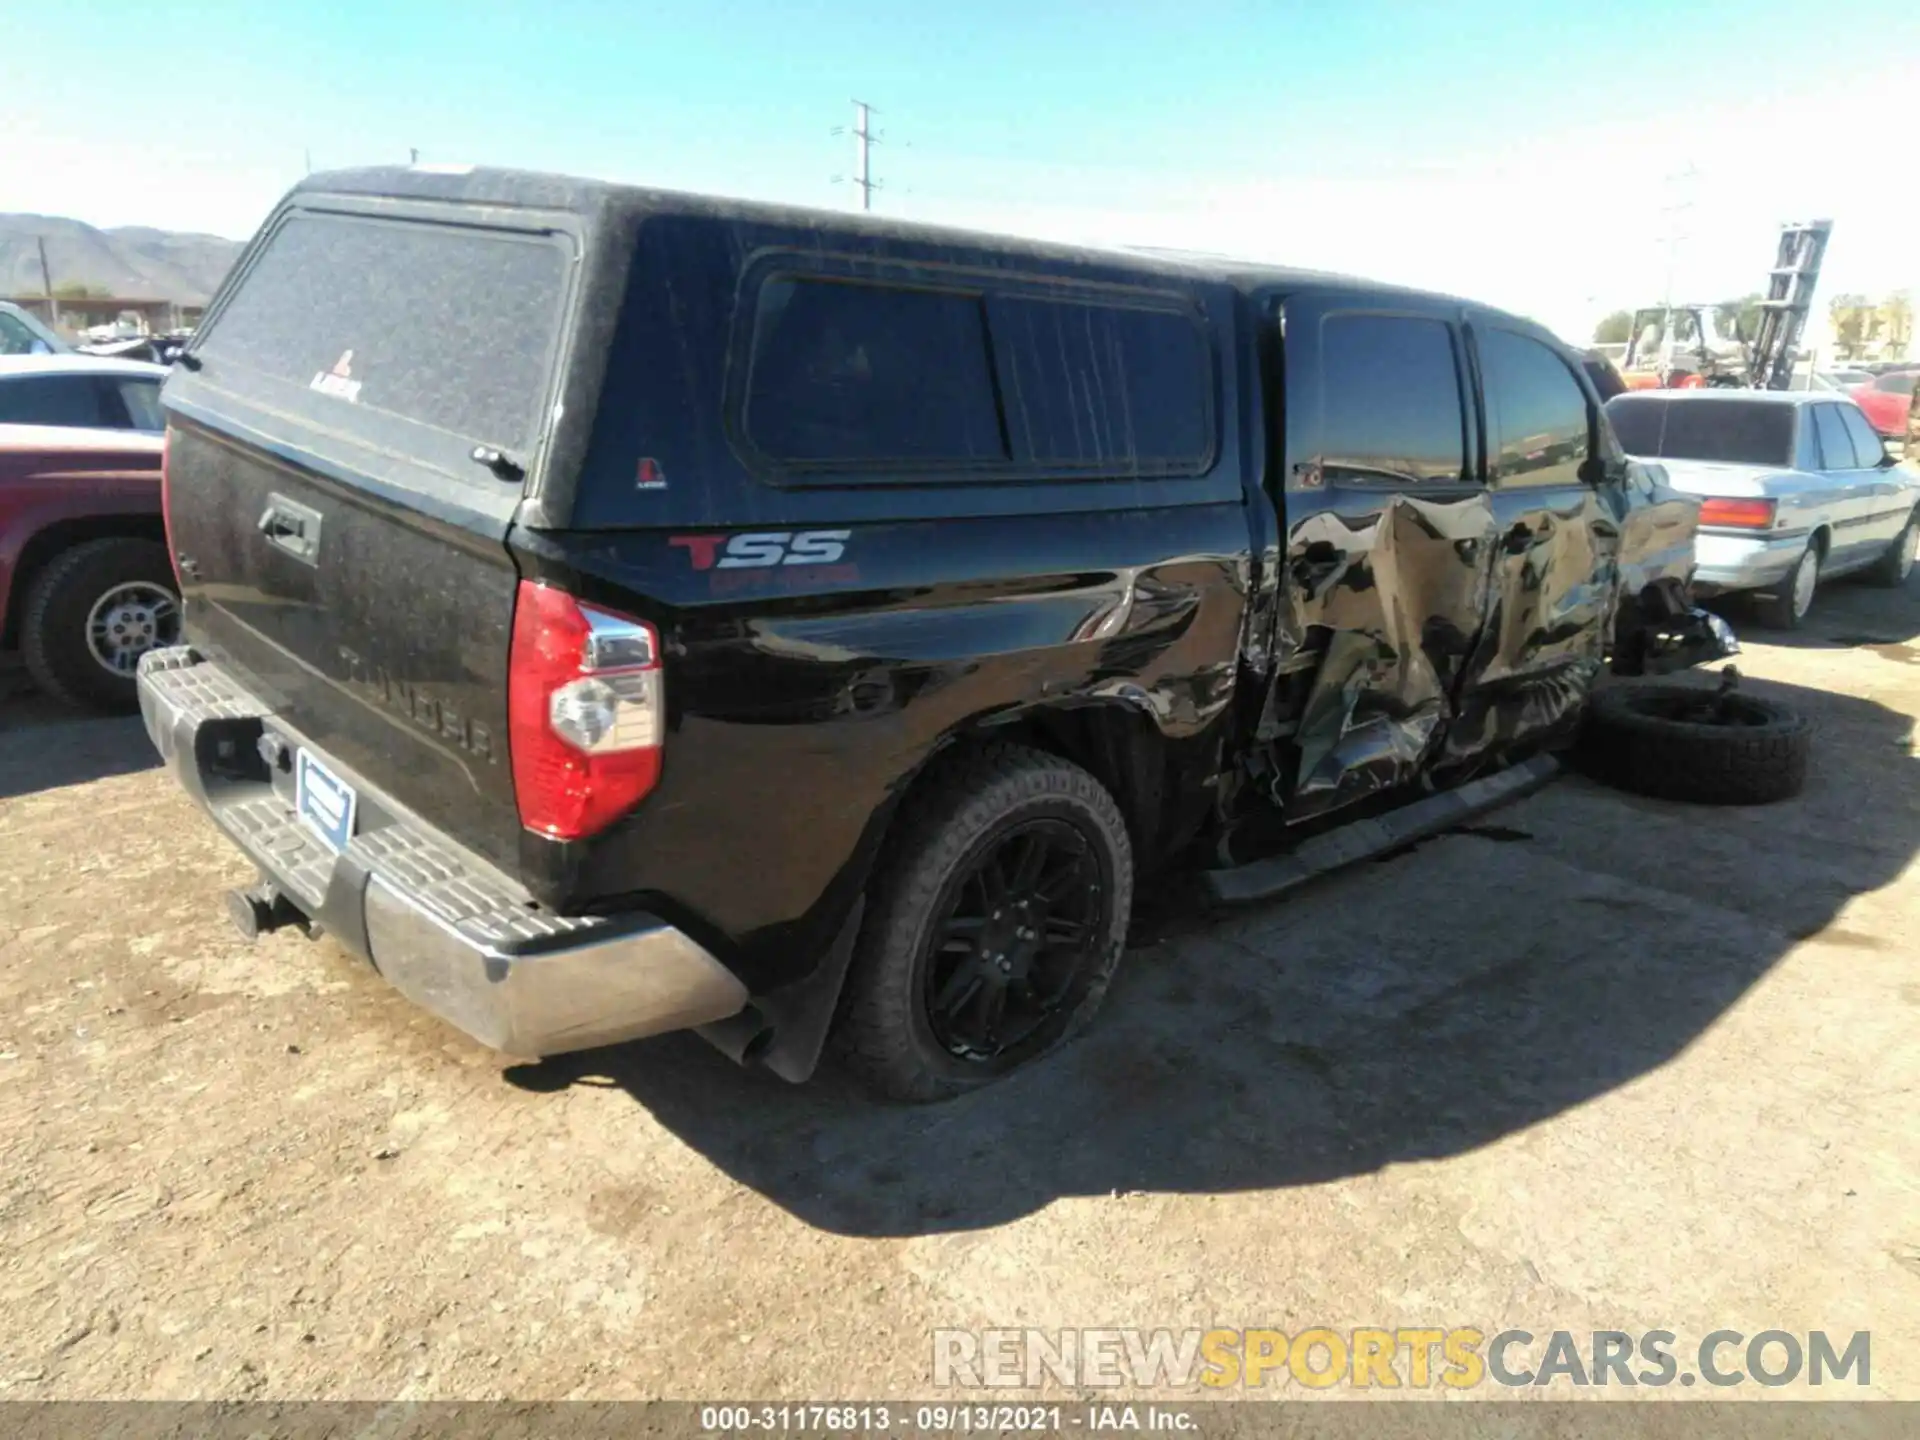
<point>1795,488</point>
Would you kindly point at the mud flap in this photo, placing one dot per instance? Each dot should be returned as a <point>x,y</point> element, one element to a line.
<point>785,1031</point>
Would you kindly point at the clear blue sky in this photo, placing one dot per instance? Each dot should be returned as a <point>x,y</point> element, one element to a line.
<point>993,107</point>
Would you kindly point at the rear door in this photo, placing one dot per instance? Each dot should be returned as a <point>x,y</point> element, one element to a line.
<point>1389,539</point>
<point>1889,504</point>
<point>1848,500</point>
<point>339,542</point>
<point>1555,553</point>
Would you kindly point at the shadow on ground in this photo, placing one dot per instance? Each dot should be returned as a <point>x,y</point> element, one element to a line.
<point>44,746</point>
<point>1847,614</point>
<point>1411,1008</point>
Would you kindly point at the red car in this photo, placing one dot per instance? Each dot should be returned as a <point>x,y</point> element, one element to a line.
<point>1887,399</point>
<point>86,586</point>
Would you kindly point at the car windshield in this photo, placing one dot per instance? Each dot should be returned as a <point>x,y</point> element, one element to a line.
<point>1738,432</point>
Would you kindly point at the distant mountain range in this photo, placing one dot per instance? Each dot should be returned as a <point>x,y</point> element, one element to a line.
<point>131,261</point>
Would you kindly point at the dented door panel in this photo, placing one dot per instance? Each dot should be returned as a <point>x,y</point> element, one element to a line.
<point>1388,545</point>
<point>1554,572</point>
<point>1556,562</point>
<point>1385,594</point>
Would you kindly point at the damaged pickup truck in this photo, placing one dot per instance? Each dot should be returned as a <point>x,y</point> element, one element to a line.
<point>611,611</point>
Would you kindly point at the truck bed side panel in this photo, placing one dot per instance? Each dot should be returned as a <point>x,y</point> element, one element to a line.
<point>805,699</point>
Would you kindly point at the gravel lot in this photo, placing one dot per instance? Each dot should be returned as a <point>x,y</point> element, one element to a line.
<point>1600,1062</point>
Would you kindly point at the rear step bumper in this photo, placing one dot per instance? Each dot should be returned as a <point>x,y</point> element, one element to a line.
<point>444,928</point>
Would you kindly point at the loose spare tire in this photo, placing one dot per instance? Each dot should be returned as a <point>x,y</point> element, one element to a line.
<point>1675,742</point>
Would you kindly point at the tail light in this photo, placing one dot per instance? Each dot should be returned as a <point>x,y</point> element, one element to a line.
<point>1737,514</point>
<point>166,507</point>
<point>586,713</point>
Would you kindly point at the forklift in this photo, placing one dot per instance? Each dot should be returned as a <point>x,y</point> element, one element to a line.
<point>1684,347</point>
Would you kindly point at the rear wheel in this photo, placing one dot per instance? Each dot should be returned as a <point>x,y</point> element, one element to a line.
<point>995,928</point>
<point>1892,569</point>
<point>90,616</point>
<point>1786,608</point>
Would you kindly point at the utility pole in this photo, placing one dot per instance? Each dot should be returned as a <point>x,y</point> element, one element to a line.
<point>862,138</point>
<point>46,283</point>
<point>413,157</point>
<point>1683,183</point>
<point>309,156</point>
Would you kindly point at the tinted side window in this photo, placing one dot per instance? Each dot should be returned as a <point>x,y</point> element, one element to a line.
<point>1106,385</point>
<point>1836,448</point>
<point>53,400</point>
<point>1867,446</point>
<point>1537,411</point>
<point>853,372</point>
<point>1390,407</point>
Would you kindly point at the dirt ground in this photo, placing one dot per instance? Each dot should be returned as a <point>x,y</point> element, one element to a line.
<point>1606,1063</point>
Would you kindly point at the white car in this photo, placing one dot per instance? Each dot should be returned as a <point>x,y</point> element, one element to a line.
<point>81,391</point>
<point>1795,487</point>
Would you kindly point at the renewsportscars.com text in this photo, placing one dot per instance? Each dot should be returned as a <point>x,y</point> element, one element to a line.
<point>1405,1357</point>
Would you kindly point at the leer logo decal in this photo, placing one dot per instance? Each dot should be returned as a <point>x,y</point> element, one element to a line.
<point>338,382</point>
<point>760,549</point>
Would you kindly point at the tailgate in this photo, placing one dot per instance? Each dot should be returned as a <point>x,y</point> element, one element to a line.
<point>339,544</point>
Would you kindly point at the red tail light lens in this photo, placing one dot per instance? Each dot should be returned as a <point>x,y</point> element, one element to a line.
<point>586,713</point>
<point>166,506</point>
<point>1737,514</point>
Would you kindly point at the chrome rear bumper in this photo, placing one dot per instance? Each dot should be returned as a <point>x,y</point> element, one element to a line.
<point>450,932</point>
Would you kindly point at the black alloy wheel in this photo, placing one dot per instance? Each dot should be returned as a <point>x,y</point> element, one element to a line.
<point>1014,947</point>
<point>993,925</point>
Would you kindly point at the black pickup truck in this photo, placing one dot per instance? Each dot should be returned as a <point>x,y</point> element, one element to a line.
<point>612,611</point>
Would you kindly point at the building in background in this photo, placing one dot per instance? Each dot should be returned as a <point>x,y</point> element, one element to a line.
<point>125,315</point>
<point>1865,329</point>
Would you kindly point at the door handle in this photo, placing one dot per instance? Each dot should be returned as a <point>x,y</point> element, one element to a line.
<point>292,528</point>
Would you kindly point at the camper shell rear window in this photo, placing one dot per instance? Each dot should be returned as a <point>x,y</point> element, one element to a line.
<point>355,322</point>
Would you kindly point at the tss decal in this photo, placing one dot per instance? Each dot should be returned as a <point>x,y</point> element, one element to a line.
<point>760,549</point>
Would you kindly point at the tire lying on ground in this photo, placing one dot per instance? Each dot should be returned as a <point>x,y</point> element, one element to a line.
<point>1676,742</point>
